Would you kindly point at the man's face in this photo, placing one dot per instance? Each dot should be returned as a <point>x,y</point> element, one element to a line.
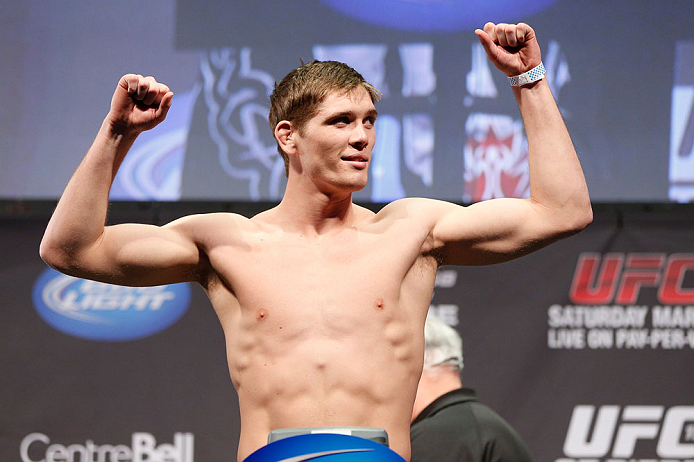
<point>335,145</point>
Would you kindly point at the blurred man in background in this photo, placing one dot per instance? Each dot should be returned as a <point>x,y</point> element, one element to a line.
<point>449,423</point>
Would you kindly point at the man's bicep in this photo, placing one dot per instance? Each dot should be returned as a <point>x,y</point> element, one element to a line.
<point>141,255</point>
<point>487,232</point>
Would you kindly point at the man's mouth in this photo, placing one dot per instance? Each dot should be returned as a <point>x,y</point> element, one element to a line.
<point>357,161</point>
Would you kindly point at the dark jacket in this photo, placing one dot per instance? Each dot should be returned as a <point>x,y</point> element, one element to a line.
<point>457,427</point>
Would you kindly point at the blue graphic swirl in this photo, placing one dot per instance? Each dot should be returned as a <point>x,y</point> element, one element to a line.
<point>437,15</point>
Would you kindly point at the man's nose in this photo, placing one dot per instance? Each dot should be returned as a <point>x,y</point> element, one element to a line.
<point>360,138</point>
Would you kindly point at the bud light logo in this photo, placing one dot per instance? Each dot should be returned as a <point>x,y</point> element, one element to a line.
<point>98,311</point>
<point>324,447</point>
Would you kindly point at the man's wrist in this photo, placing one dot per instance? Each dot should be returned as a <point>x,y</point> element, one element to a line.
<point>533,75</point>
<point>118,131</point>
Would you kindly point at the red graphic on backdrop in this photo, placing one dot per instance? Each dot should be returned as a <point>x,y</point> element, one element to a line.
<point>619,277</point>
<point>496,158</point>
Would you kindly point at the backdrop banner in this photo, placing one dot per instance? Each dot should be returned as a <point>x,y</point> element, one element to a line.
<point>586,347</point>
<point>448,125</point>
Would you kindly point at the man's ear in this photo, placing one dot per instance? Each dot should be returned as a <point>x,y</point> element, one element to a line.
<point>284,134</point>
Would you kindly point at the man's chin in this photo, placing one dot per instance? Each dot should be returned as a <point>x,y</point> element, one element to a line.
<point>359,185</point>
<point>353,182</point>
<point>342,183</point>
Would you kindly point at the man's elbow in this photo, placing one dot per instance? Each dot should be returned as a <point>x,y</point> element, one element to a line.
<point>56,255</point>
<point>587,216</point>
<point>584,215</point>
<point>48,253</point>
<point>578,220</point>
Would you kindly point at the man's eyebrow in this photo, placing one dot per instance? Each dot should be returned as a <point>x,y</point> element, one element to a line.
<point>336,115</point>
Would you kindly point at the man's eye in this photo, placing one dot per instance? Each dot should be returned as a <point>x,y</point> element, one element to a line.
<point>341,121</point>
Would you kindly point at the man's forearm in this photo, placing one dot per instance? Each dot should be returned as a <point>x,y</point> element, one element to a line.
<point>78,220</point>
<point>556,177</point>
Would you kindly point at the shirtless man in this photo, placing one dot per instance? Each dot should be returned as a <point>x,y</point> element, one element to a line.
<point>322,302</point>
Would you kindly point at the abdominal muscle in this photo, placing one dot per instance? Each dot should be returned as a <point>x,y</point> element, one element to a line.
<point>332,366</point>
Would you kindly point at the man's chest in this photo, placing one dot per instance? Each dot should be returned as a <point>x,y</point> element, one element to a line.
<point>354,266</point>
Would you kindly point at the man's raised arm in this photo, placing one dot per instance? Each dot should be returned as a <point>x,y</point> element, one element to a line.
<point>76,241</point>
<point>501,229</point>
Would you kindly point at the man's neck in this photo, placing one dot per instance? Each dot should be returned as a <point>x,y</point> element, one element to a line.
<point>315,212</point>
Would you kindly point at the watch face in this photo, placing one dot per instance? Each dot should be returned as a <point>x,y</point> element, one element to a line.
<point>436,15</point>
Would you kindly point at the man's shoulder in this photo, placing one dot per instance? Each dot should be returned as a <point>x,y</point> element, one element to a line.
<point>499,434</point>
<point>419,205</point>
<point>407,202</point>
<point>206,225</point>
<point>215,218</point>
<point>464,404</point>
<point>491,420</point>
<point>414,207</point>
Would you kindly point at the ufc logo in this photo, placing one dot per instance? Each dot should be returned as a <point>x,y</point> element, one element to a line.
<point>636,423</point>
<point>615,276</point>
